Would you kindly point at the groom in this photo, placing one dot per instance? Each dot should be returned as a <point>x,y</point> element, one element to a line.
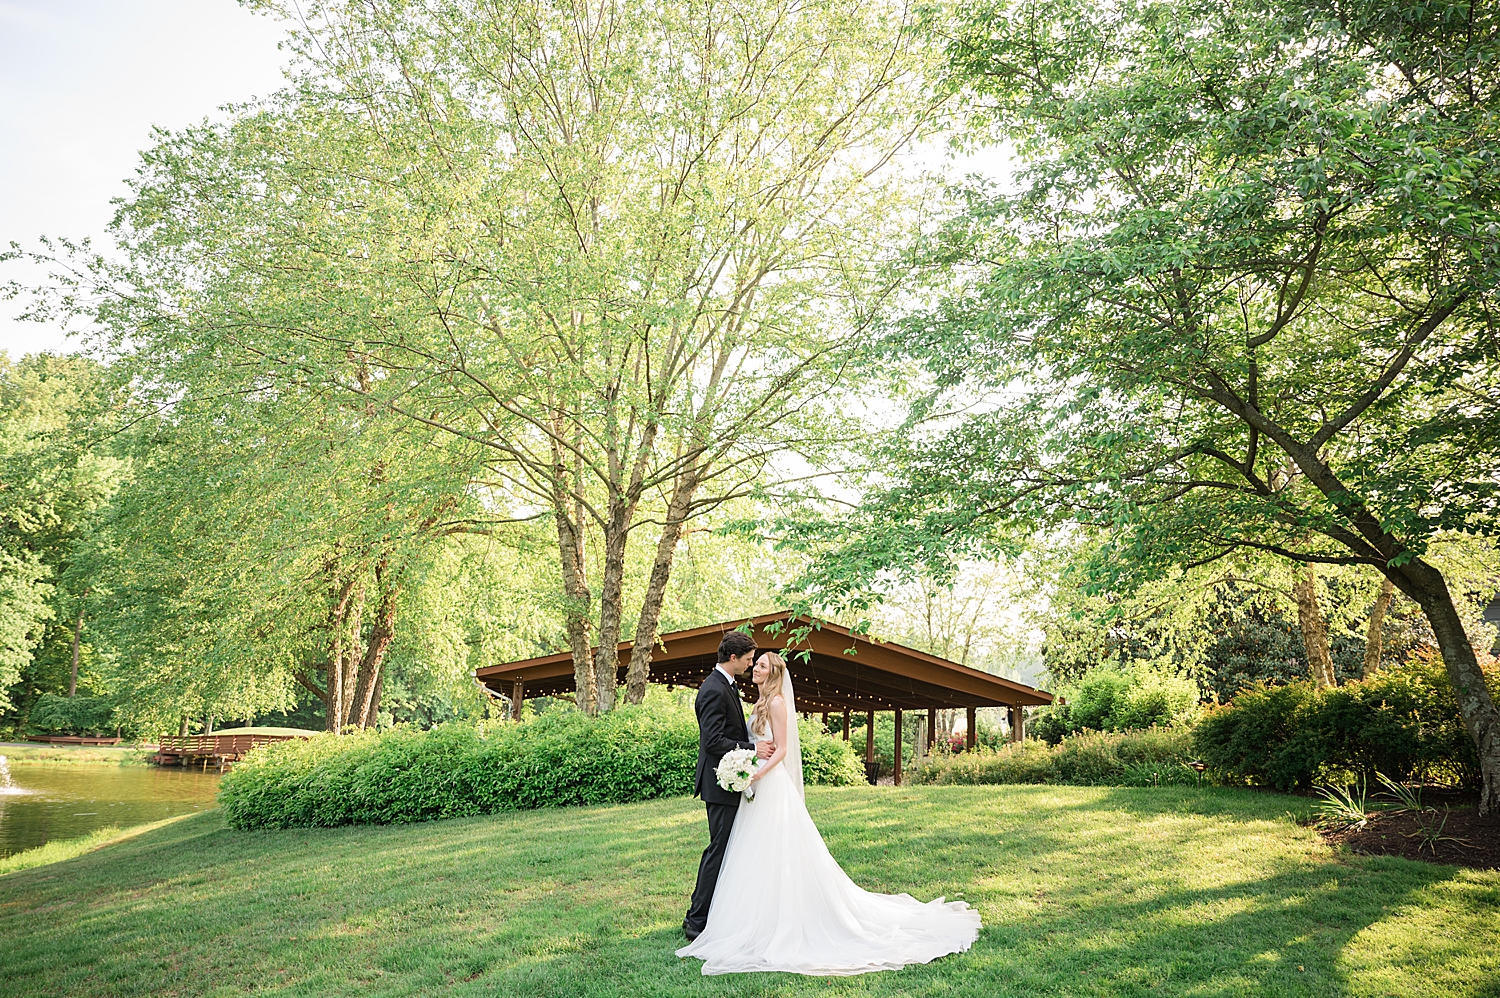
<point>721,729</point>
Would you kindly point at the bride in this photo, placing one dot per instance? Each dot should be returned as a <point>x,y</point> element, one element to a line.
<point>783,902</point>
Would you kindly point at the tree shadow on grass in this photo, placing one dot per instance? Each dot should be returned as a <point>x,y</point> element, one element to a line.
<point>1121,891</point>
<point>1084,891</point>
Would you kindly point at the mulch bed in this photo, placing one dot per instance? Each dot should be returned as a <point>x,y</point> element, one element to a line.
<point>1466,839</point>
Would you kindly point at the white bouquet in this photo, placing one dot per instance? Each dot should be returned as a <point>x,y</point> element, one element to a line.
<point>735,769</point>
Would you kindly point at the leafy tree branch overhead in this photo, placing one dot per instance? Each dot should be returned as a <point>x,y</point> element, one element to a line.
<point>1239,296</point>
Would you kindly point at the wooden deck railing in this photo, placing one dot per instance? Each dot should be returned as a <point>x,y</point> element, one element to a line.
<point>219,750</point>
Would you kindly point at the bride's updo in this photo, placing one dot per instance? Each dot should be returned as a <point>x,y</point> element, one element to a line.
<point>768,689</point>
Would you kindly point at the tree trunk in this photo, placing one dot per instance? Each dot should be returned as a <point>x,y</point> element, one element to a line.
<point>353,653</point>
<point>335,679</point>
<point>374,712</point>
<point>381,636</point>
<point>333,701</point>
<point>1314,630</point>
<point>577,600</point>
<point>371,670</point>
<point>1375,635</point>
<point>77,639</point>
<point>576,613</point>
<point>1426,585</point>
<point>656,589</point>
<point>611,600</point>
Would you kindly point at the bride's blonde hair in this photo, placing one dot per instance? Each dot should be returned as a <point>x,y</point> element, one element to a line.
<point>768,689</point>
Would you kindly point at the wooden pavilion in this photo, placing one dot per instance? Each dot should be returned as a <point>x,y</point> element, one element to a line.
<point>844,672</point>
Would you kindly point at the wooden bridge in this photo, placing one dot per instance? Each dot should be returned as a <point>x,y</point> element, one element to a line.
<point>220,749</point>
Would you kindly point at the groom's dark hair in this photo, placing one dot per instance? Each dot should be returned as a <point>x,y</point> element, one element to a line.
<point>735,643</point>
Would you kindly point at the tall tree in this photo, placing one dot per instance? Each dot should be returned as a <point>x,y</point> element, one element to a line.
<point>1240,296</point>
<point>689,190</point>
<point>264,547</point>
<point>57,473</point>
<point>623,248</point>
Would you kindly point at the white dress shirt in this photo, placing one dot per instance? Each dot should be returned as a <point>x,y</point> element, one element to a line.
<point>725,672</point>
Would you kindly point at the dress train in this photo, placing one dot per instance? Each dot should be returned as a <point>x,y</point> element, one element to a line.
<point>784,903</point>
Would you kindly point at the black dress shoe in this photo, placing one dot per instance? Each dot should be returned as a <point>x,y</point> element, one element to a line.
<point>690,932</point>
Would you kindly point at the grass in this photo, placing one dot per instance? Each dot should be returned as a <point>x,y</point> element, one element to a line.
<point>122,755</point>
<point>56,852</point>
<point>1083,890</point>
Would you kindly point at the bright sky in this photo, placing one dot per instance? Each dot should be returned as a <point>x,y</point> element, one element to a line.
<point>82,82</point>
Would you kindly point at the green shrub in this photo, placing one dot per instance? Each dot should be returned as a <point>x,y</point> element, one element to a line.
<point>1088,758</point>
<point>1095,698</point>
<point>1104,758</point>
<point>1403,722</point>
<point>1155,701</point>
<point>826,760</point>
<point>1109,699</point>
<point>76,715</point>
<point>1262,737</point>
<point>1154,756</point>
<point>1051,724</point>
<point>559,758</point>
<point>1029,761</point>
<point>1157,774</point>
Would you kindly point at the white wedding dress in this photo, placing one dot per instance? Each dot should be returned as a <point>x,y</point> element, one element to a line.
<point>783,902</point>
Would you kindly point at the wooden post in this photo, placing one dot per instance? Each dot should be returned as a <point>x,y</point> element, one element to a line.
<point>970,738</point>
<point>517,696</point>
<point>931,727</point>
<point>870,737</point>
<point>1015,723</point>
<point>898,747</point>
<point>1019,731</point>
<point>825,720</point>
<point>846,724</point>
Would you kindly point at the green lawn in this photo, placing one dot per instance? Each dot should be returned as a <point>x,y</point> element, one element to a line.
<point>1084,891</point>
<point>120,755</point>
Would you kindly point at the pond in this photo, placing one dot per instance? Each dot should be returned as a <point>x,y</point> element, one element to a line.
<point>45,801</point>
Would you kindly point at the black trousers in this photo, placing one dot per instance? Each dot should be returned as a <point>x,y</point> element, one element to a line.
<point>720,822</point>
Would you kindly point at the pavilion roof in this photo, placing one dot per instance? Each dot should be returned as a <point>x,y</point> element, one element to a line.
<point>842,671</point>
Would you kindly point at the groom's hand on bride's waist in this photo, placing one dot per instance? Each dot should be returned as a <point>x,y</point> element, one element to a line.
<point>764,750</point>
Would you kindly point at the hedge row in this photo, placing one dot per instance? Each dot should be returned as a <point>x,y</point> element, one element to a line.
<point>1403,722</point>
<point>1148,757</point>
<point>557,759</point>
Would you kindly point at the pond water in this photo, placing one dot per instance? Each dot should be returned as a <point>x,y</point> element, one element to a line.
<point>40,802</point>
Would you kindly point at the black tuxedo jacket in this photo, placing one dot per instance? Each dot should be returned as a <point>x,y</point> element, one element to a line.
<point>721,729</point>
